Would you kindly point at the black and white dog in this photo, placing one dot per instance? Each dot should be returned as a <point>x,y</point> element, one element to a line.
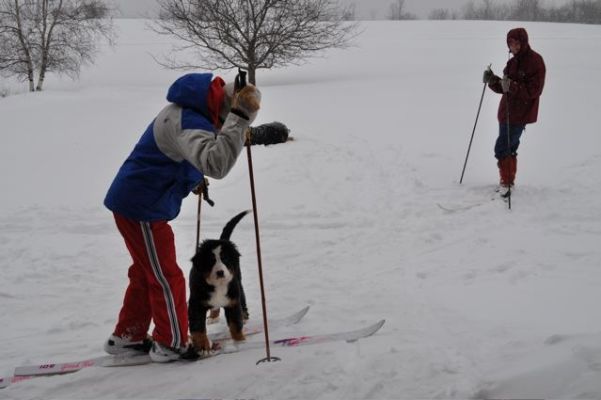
<point>215,281</point>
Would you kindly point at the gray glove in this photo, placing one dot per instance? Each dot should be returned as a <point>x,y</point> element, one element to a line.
<point>505,84</point>
<point>488,75</point>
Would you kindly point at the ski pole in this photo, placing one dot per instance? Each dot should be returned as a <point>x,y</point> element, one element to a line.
<point>198,221</point>
<point>203,194</point>
<point>239,84</point>
<point>508,147</point>
<point>474,130</point>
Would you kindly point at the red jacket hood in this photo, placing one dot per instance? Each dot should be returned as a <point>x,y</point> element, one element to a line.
<point>521,36</point>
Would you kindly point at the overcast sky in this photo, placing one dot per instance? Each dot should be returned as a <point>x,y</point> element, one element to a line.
<point>365,9</point>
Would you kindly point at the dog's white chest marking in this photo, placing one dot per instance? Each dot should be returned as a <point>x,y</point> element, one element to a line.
<point>220,278</point>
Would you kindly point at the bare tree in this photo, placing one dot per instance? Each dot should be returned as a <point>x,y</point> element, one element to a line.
<point>251,34</point>
<point>16,35</point>
<point>486,11</point>
<point>42,36</point>
<point>526,10</point>
<point>440,14</point>
<point>396,12</point>
<point>350,13</point>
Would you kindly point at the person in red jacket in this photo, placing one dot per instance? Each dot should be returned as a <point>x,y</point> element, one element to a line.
<point>522,85</point>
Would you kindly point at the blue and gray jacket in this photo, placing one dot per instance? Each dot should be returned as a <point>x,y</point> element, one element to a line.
<point>175,152</point>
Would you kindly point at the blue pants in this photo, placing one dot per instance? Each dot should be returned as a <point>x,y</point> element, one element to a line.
<point>502,150</point>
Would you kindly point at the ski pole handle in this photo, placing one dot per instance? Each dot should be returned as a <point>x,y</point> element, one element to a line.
<point>240,81</point>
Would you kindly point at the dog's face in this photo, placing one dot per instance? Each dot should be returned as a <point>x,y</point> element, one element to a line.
<point>218,262</point>
<point>220,274</point>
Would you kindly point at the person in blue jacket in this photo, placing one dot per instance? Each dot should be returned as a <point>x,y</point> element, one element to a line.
<point>201,132</point>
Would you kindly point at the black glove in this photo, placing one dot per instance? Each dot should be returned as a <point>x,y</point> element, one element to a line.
<point>203,189</point>
<point>271,133</point>
<point>488,75</point>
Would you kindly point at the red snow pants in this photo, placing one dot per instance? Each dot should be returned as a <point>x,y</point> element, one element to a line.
<point>157,287</point>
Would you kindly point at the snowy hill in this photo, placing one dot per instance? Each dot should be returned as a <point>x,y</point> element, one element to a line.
<point>362,217</point>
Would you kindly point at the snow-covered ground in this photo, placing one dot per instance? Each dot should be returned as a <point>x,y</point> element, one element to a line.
<point>479,301</point>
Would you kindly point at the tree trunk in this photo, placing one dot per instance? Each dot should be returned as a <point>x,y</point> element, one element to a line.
<point>31,83</point>
<point>44,40</point>
<point>43,69</point>
<point>252,74</point>
<point>24,47</point>
<point>41,78</point>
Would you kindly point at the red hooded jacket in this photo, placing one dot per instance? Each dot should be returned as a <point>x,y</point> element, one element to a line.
<point>527,73</point>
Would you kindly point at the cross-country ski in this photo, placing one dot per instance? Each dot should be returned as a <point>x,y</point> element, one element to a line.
<point>224,347</point>
<point>220,336</point>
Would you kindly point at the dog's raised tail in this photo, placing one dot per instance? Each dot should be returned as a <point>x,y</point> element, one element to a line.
<point>229,227</point>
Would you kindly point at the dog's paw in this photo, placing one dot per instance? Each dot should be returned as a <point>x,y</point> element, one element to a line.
<point>216,348</point>
<point>237,335</point>
<point>201,342</point>
<point>213,317</point>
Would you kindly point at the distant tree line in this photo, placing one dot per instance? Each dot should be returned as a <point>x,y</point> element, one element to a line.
<point>576,11</point>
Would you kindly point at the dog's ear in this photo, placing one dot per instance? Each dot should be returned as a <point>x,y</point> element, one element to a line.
<point>196,253</point>
<point>234,249</point>
<point>229,253</point>
<point>197,257</point>
<point>202,249</point>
